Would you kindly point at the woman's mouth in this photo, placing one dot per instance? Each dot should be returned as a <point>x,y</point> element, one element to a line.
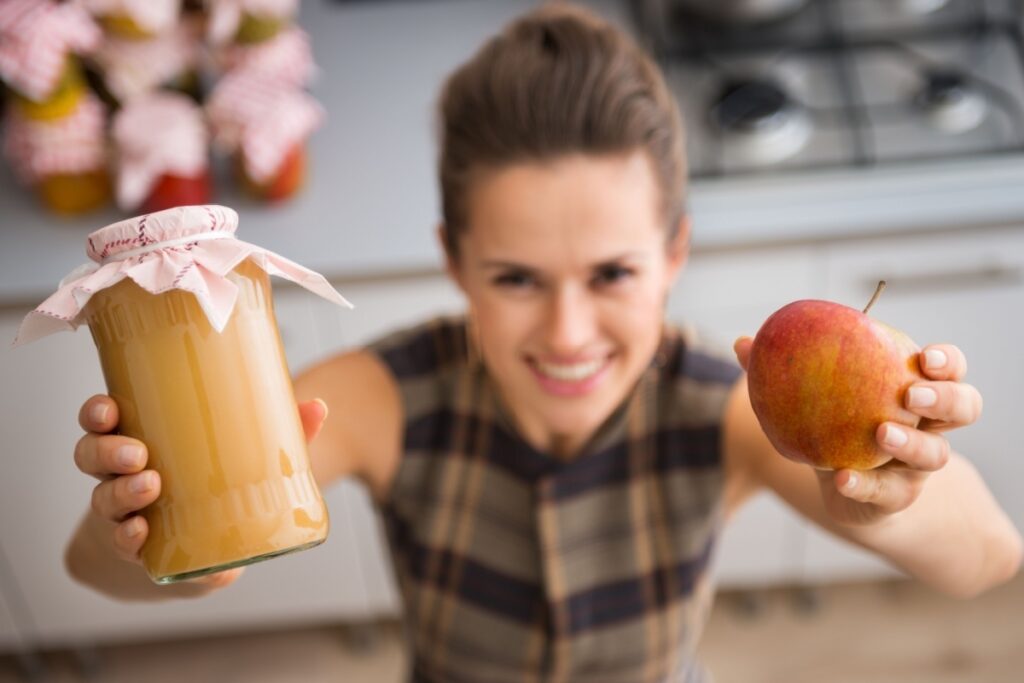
<point>570,379</point>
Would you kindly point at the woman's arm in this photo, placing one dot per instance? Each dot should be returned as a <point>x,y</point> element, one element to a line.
<point>929,512</point>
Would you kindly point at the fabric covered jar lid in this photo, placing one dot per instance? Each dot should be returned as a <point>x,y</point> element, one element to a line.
<point>188,248</point>
<point>142,158</point>
<point>36,37</point>
<point>154,16</point>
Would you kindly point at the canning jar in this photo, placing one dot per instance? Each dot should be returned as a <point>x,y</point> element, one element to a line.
<point>182,317</point>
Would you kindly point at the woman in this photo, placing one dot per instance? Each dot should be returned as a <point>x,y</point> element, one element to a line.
<point>554,469</point>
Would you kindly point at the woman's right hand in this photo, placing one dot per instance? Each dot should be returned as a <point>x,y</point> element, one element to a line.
<point>126,486</point>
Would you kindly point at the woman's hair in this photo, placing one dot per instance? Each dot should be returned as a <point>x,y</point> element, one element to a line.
<point>555,82</point>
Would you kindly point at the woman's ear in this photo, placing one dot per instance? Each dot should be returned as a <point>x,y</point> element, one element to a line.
<point>679,248</point>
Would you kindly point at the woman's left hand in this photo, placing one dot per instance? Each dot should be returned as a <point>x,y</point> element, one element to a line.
<point>942,401</point>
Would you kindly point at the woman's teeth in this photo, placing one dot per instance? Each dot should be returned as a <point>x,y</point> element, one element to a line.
<point>570,373</point>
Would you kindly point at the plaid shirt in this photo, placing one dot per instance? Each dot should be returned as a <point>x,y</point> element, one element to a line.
<point>517,566</point>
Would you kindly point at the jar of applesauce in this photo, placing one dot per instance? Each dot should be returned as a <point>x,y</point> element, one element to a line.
<point>182,317</point>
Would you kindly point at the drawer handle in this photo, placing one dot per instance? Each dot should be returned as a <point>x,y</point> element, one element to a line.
<point>946,280</point>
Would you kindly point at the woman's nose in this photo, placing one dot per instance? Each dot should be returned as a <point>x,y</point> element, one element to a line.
<point>571,321</point>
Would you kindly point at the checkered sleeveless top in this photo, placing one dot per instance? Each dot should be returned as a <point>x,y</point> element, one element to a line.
<point>516,566</point>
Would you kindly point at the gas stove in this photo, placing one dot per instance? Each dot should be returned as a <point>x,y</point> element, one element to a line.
<point>843,84</point>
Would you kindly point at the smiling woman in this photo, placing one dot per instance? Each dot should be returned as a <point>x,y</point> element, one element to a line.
<point>555,466</point>
<point>566,270</point>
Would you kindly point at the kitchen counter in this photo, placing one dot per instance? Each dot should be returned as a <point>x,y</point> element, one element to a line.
<point>370,207</point>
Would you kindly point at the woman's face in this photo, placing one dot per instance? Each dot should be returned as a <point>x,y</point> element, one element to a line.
<point>566,271</point>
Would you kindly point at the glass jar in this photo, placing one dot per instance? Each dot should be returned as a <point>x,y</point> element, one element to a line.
<point>218,416</point>
<point>286,182</point>
<point>201,378</point>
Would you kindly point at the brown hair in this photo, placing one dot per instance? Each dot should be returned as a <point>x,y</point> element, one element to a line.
<point>556,81</point>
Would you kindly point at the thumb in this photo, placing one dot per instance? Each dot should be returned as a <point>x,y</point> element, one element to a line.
<point>313,413</point>
<point>741,347</point>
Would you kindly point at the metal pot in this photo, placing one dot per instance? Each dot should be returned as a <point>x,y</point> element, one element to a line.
<point>739,11</point>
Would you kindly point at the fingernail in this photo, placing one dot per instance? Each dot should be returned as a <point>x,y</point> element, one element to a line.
<point>851,482</point>
<point>894,436</point>
<point>129,456</point>
<point>133,528</point>
<point>922,397</point>
<point>934,359</point>
<point>140,483</point>
<point>99,413</point>
<point>324,404</point>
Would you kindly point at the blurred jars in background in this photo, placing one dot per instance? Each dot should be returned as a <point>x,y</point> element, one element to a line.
<point>148,44</point>
<point>264,123</point>
<point>156,172</point>
<point>63,160</point>
<point>135,19</point>
<point>248,22</point>
<point>54,135</point>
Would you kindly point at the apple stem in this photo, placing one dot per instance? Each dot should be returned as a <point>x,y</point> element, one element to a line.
<point>874,297</point>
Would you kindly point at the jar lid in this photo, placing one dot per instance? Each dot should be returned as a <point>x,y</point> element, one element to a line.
<point>154,16</point>
<point>135,67</point>
<point>287,57</point>
<point>72,144</point>
<point>188,248</point>
<point>35,39</point>
<point>142,158</point>
<point>226,15</point>
<point>263,118</point>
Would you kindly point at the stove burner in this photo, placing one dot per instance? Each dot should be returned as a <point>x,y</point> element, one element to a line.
<point>950,101</point>
<point>758,121</point>
<point>918,7</point>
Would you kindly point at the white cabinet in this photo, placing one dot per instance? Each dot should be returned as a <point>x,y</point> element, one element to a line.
<point>10,638</point>
<point>725,295</point>
<point>963,288</point>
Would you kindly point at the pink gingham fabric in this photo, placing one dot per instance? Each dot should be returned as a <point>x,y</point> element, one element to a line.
<point>189,248</point>
<point>226,15</point>
<point>142,157</point>
<point>36,37</point>
<point>154,16</point>
<point>261,118</point>
<point>287,57</point>
<point>73,144</point>
<point>134,67</point>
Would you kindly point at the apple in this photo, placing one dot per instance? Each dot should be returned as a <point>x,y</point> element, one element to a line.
<point>823,376</point>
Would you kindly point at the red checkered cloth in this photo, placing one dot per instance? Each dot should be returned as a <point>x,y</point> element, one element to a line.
<point>73,144</point>
<point>133,67</point>
<point>36,37</point>
<point>261,118</point>
<point>154,16</point>
<point>286,57</point>
<point>226,15</point>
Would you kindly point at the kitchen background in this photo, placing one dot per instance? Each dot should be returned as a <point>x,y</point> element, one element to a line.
<point>833,143</point>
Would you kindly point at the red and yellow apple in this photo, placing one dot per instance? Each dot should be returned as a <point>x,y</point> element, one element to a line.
<point>823,376</point>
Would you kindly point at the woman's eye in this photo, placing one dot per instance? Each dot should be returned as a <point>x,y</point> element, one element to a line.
<point>609,275</point>
<point>515,280</point>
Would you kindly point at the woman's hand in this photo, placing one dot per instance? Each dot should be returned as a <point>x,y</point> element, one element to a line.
<point>126,486</point>
<point>943,402</point>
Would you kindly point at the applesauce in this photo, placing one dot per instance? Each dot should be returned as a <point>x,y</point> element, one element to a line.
<point>218,415</point>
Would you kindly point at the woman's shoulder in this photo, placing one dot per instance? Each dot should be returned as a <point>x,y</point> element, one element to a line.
<point>427,347</point>
<point>690,353</point>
